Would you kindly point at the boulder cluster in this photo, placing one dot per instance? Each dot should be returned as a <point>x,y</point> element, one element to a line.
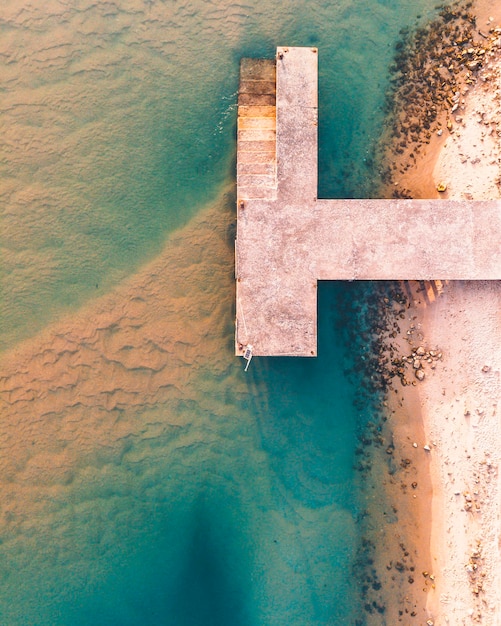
<point>432,68</point>
<point>375,318</point>
<point>474,569</point>
<point>417,360</point>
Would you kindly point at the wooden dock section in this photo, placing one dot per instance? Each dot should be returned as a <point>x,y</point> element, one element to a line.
<point>288,239</point>
<point>256,128</point>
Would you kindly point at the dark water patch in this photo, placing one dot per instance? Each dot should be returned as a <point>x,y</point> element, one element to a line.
<point>213,584</point>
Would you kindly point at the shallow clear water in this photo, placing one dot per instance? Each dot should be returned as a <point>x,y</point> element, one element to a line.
<point>145,479</point>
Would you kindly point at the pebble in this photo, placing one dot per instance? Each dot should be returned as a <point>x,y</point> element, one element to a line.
<point>427,448</point>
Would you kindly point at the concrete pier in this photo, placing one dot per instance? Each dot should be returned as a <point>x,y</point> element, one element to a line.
<point>288,239</point>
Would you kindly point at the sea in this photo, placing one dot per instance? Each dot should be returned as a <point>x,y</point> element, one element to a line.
<point>145,479</point>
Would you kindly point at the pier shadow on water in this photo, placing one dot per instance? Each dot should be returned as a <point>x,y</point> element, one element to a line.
<point>214,582</point>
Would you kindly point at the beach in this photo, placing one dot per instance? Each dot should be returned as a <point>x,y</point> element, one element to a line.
<point>462,429</point>
<point>459,406</point>
<point>458,397</point>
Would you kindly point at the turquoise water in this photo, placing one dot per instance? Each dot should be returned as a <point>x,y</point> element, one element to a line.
<point>145,479</point>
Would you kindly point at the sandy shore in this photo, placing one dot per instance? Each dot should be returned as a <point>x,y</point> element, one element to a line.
<point>469,163</point>
<point>458,398</point>
<point>459,403</point>
<point>463,429</point>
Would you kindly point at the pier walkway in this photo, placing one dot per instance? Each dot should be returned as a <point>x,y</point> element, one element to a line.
<point>288,239</point>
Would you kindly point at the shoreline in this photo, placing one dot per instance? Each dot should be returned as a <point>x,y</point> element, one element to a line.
<point>469,162</point>
<point>393,469</point>
<point>457,401</point>
<point>435,107</point>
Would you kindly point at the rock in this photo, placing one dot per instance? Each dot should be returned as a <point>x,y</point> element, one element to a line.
<point>420,374</point>
<point>427,448</point>
<point>441,187</point>
<point>486,368</point>
<point>416,364</point>
<point>420,351</point>
<point>414,445</point>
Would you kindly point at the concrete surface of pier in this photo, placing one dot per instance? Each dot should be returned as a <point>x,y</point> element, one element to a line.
<point>288,239</point>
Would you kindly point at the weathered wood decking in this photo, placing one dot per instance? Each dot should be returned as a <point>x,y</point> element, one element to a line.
<point>256,128</point>
<point>288,239</point>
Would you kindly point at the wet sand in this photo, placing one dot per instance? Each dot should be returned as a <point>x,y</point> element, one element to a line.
<point>394,475</point>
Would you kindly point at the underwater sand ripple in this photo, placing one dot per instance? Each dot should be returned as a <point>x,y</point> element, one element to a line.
<point>136,405</point>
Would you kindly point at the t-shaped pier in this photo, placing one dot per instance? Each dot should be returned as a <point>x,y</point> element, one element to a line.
<point>288,239</point>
